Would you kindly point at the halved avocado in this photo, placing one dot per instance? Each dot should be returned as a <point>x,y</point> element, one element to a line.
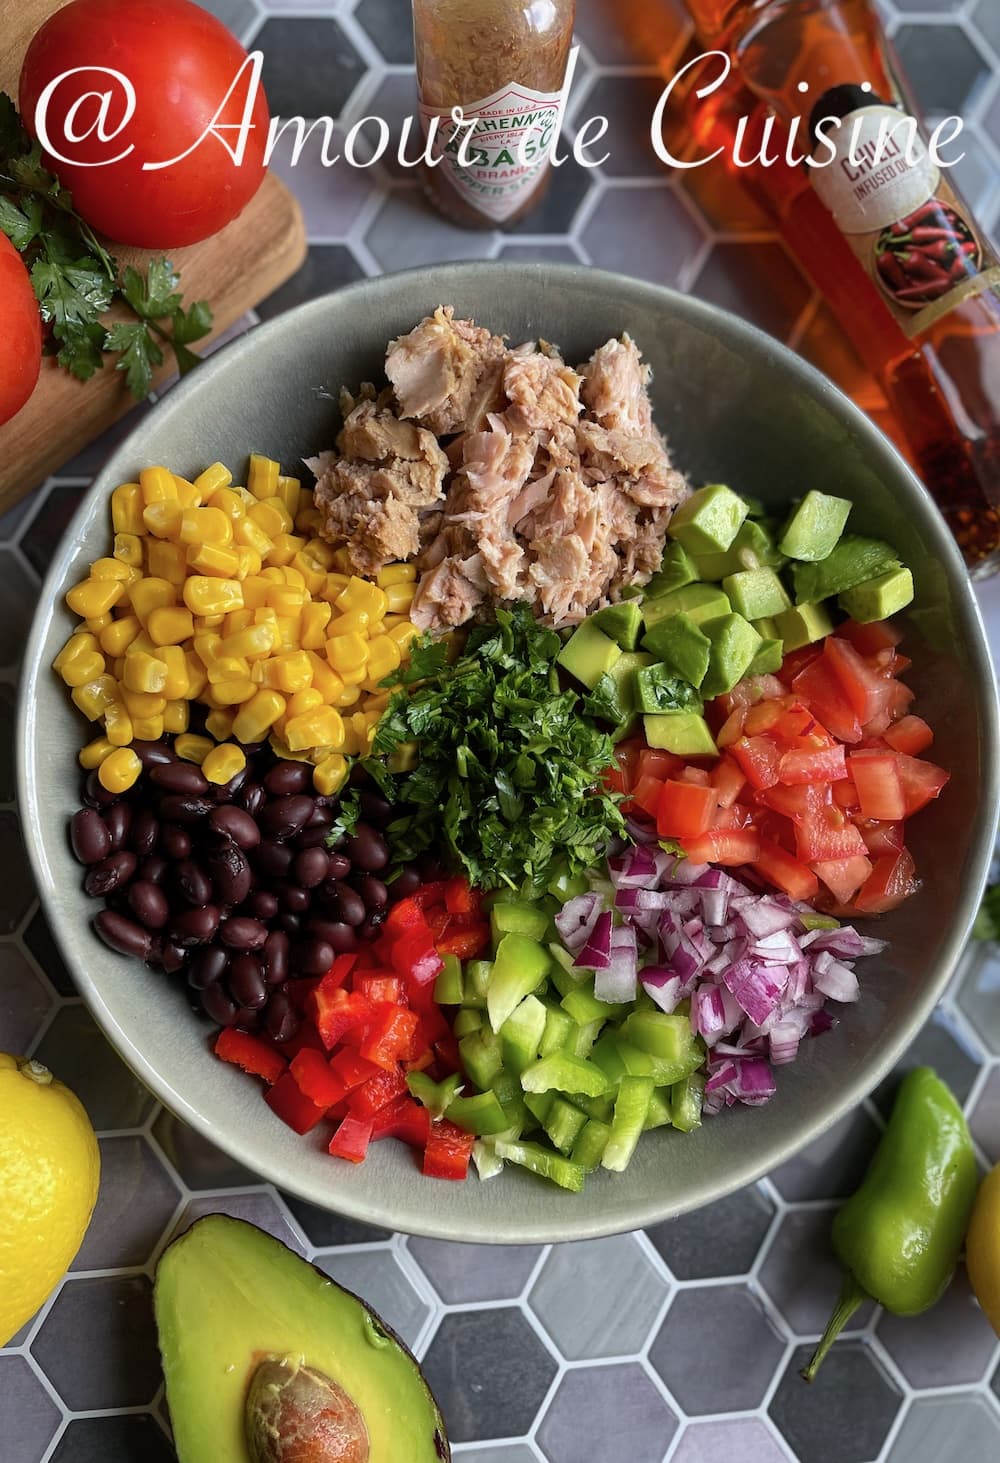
<point>231,1301</point>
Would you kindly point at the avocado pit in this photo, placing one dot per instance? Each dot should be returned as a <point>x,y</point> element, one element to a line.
<point>295,1414</point>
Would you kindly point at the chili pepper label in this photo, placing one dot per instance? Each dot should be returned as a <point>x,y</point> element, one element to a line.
<point>496,156</point>
<point>901,217</point>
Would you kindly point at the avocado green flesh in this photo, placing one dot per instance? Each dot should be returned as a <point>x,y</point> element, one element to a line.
<point>227,1295</point>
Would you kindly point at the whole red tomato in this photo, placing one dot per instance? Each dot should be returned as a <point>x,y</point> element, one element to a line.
<point>21,330</point>
<point>181,62</point>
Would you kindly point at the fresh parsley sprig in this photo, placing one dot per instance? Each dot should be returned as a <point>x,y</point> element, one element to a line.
<point>76,280</point>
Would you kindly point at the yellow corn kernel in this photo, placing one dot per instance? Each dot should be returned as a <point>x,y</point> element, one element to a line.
<point>94,624</point>
<point>286,599</point>
<point>383,657</point>
<point>252,642</point>
<point>147,728</point>
<point>313,623</point>
<point>271,517</point>
<point>205,526</point>
<point>143,642</point>
<point>304,701</point>
<point>256,717</point>
<point>403,634</point>
<point>111,568</point>
<point>273,575</point>
<point>290,493</point>
<point>262,476</point>
<point>255,591</point>
<point>264,615</point>
<point>378,702</point>
<point>308,520</point>
<point>284,548</point>
<point>144,672</point>
<point>177,716</point>
<point>320,553</point>
<point>177,685</point>
<point>158,485</point>
<point>212,560</point>
<point>92,598</point>
<point>292,576</point>
<point>94,697</point>
<point>396,574</point>
<point>399,598</point>
<point>142,703</point>
<point>322,727</point>
<point>214,477</point>
<point>335,582</point>
<point>289,631</point>
<point>223,763</point>
<point>237,620</point>
<point>351,622</point>
<point>359,594</point>
<point>248,562</point>
<point>197,676</point>
<point>126,509</point>
<point>128,548</point>
<point>207,596</point>
<point>151,593</point>
<point>166,560</point>
<point>313,579</point>
<point>191,748</point>
<point>234,692</point>
<point>187,494</point>
<point>118,724</point>
<point>349,696</point>
<point>229,503</point>
<point>248,534</point>
<point>283,752</point>
<point>227,668</point>
<point>170,625</point>
<point>208,647</point>
<point>347,653</point>
<point>79,644</point>
<point>94,753</point>
<point>330,775</point>
<point>119,770</point>
<point>219,724</point>
<point>356,677</point>
<point>163,519</point>
<point>83,668</point>
<point>293,672</point>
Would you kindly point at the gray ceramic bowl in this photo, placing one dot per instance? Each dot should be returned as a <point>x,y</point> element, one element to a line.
<point>737,408</point>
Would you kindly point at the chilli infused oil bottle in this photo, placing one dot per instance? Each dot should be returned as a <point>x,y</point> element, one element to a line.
<point>502,64</point>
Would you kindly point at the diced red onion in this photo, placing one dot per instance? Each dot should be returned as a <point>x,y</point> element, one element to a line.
<point>662,986</point>
<point>835,980</point>
<point>756,986</point>
<point>596,953</point>
<point>576,919</point>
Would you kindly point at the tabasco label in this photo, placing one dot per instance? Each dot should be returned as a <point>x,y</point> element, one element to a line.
<point>901,217</point>
<point>497,155</point>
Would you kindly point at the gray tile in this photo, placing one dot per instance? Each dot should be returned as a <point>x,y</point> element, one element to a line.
<point>716,1342</point>
<point>567,187</point>
<point>625,37</point>
<point>845,1415</point>
<point>462,1273</point>
<point>259,1209</point>
<point>134,1438</point>
<point>17,891</point>
<point>540,253</point>
<point>629,103</point>
<point>744,1438</point>
<point>18,594</point>
<point>38,938</point>
<point>97,1345</point>
<point>516,1453</point>
<point>395,99</point>
<point>30,1417</point>
<point>136,1201</point>
<point>947,1346</point>
<point>199,1163</point>
<point>761,282</point>
<point>833,1165</point>
<point>389,23</point>
<point>239,16</point>
<point>985,1118</point>
<point>331,194</point>
<point>324,1229</point>
<point>962,1426</point>
<point>408,231</point>
<point>53,510</point>
<point>489,1372</point>
<point>310,66</point>
<point>941,1045</point>
<point>975,176</point>
<point>921,7</point>
<point>6,743</point>
<point>14,518</point>
<point>605,1405</point>
<point>801,1275</point>
<point>943,67</point>
<point>25,1000</point>
<point>737,1225</point>
<point>378,1278</point>
<point>598,1298</point>
<point>660,243</point>
<point>979,992</point>
<point>327,267</point>
<point>79,1055</point>
<point>986,19</point>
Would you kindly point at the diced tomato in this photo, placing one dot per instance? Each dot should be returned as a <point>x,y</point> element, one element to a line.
<point>799,722</point>
<point>646,796</point>
<point>351,1139</point>
<point>466,943</point>
<point>921,781</point>
<point>685,810</point>
<point>448,1151</point>
<point>653,762</point>
<point>899,699</point>
<point>727,846</point>
<point>797,660</point>
<point>728,779</point>
<point>389,1034</point>
<point>870,639</point>
<point>780,868</point>
<point>698,775</point>
<point>881,837</point>
<point>880,792</point>
<point>828,834</point>
<point>826,765</point>
<point>845,795</point>
<point>287,1100</point>
<point>843,877</point>
<point>762,717</point>
<point>249,1052</point>
<point>621,775</point>
<point>911,735</point>
<point>801,800</point>
<point>732,728</point>
<point>758,758</point>
<point>818,686</point>
<point>891,881</point>
<point>376,1093</point>
<point>403,1118</point>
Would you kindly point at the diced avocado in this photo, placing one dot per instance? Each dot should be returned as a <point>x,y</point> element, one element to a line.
<point>768,659</point>
<point>766,629</point>
<point>814,527</point>
<point>709,520</point>
<point>752,548</point>
<point>878,598</point>
<point>247,1327</point>
<point>589,653</point>
<point>802,625</point>
<point>678,641</point>
<point>682,732</point>
<point>623,674</point>
<point>735,642</point>
<point>621,622</point>
<point>699,601</point>
<point>605,702</point>
<point>756,593</point>
<point>660,688</point>
<point>853,561</point>
<point>676,569</point>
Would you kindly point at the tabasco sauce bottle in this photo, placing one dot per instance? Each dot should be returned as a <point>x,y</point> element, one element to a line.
<point>882,230</point>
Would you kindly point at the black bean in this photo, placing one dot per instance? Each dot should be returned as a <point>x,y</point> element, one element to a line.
<point>207,967</point>
<point>216,1004</point>
<point>374,806</point>
<point>367,849</point>
<point>312,958</point>
<point>247,1019</point>
<point>369,930</point>
<point>280,1019</point>
<point>149,904</point>
<point>153,869</point>
<point>226,791</point>
<point>175,842</point>
<point>287,778</point>
<point>153,754</point>
<point>274,956</point>
<point>313,838</point>
<point>407,882</point>
<point>192,882</point>
<point>263,904</point>
<point>291,923</point>
<point>144,832</point>
<point>118,821</point>
<point>372,891</point>
<point>286,816</point>
<point>246,982</point>
<point>252,798</point>
<point>179,777</point>
<point>173,958</point>
<point>112,873</point>
<point>89,836</point>
<point>293,899</point>
<point>321,816</point>
<point>195,926</point>
<point>236,824</point>
<point>310,867</point>
<point>329,930</point>
<point>180,808</point>
<point>273,860</point>
<point>95,794</point>
<point>240,932</point>
<point>230,873</point>
<point>122,934</point>
<point>342,937</point>
<point>340,866</point>
<point>350,905</point>
<point>430,867</point>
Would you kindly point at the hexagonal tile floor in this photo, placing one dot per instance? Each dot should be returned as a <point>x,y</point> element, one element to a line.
<point>680,1345</point>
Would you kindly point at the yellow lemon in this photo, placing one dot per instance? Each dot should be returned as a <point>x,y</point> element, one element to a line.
<point>49,1170</point>
<point>982,1247</point>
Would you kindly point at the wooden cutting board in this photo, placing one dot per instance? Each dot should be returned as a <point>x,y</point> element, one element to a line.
<point>233,271</point>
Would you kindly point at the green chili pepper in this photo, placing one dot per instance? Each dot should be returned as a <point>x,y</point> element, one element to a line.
<point>900,1235</point>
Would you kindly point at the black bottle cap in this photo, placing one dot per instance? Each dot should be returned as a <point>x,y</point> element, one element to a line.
<point>841,101</point>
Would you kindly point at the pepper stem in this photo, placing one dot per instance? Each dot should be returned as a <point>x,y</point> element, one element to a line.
<point>851,1297</point>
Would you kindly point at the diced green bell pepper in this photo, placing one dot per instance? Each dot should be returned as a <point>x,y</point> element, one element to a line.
<point>545,1163</point>
<point>583,1006</point>
<point>520,966</point>
<point>558,1030</point>
<point>562,1073</point>
<point>565,886</point>
<point>564,1125</point>
<point>588,1150</point>
<point>436,1097</point>
<point>481,1058</point>
<point>581,1039</point>
<point>600,1108</point>
<point>658,1112</point>
<point>480,1114</point>
<point>485,1157</point>
<point>507,1088</point>
<point>466,1021</point>
<point>521,1034</point>
<point>512,917</point>
<point>448,986</point>
<point>631,1108</point>
<point>539,1104</point>
<point>685,1102</point>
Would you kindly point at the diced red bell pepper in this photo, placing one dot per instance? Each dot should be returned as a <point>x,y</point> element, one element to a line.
<point>250,1053</point>
<point>880,792</point>
<point>374,1094</point>
<point>921,781</point>
<point>336,1012</point>
<point>306,1036</point>
<point>351,1069</point>
<point>447,1055</point>
<point>389,1034</point>
<point>378,988</point>
<point>843,877</point>
<point>448,1151</point>
<point>892,880</point>
<point>759,758</point>
<point>727,846</point>
<point>467,944</point>
<point>351,1139</point>
<point>312,1072</point>
<point>341,968</point>
<point>460,897</point>
<point>403,1118</point>
<point>415,958</point>
<point>827,764</point>
<point>912,735</point>
<point>287,1100</point>
<point>785,871</point>
<point>406,915</point>
<point>685,810</point>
